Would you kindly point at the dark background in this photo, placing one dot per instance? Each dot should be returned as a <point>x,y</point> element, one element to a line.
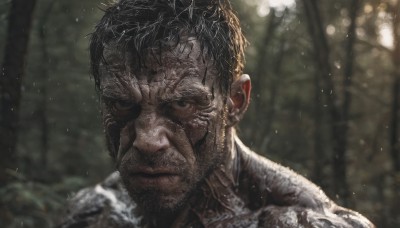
<point>326,78</point>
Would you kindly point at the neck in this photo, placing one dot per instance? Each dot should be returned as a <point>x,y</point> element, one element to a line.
<point>217,197</point>
<point>230,160</point>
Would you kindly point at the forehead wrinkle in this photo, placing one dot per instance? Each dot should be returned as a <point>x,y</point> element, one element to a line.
<point>111,92</point>
<point>187,53</point>
<point>123,87</point>
<point>165,77</point>
<point>185,90</point>
<point>171,72</point>
<point>185,75</point>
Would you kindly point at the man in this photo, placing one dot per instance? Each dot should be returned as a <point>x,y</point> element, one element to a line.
<point>169,73</point>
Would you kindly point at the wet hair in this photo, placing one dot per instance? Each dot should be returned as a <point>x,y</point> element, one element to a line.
<point>137,25</point>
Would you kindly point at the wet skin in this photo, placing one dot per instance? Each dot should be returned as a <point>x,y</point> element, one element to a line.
<point>171,133</point>
<point>165,122</point>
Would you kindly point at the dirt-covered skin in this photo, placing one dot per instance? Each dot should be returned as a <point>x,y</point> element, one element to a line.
<point>260,194</point>
<point>170,130</point>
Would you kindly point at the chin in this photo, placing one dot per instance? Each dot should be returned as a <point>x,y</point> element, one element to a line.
<point>152,201</point>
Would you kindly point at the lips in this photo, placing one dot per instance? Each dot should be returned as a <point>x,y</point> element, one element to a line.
<point>154,177</point>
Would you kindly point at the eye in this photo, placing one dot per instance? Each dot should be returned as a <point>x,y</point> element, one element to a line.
<point>181,105</point>
<point>123,106</point>
<point>181,108</point>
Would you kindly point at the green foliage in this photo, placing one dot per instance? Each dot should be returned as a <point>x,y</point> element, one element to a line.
<point>58,75</point>
<point>29,204</point>
<point>34,204</point>
<point>57,93</point>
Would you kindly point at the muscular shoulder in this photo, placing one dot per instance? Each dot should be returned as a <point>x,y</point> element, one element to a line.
<point>287,199</point>
<point>268,183</point>
<point>295,216</point>
<point>105,205</point>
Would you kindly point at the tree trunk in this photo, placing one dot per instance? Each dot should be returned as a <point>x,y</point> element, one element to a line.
<point>261,138</point>
<point>340,161</point>
<point>338,114</point>
<point>319,153</point>
<point>394,137</point>
<point>44,77</point>
<point>394,129</point>
<point>19,24</point>
<point>273,88</point>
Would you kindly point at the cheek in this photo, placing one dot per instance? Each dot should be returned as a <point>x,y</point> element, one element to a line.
<point>126,135</point>
<point>119,136</point>
<point>197,130</point>
<point>206,136</point>
<point>202,126</point>
<point>112,130</point>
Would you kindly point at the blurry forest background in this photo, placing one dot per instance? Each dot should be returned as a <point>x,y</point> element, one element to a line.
<point>326,100</point>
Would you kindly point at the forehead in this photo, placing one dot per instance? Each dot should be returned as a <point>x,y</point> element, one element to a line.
<point>186,54</point>
<point>184,63</point>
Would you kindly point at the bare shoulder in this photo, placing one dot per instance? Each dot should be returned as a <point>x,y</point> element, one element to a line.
<point>287,199</point>
<point>295,216</point>
<point>104,205</point>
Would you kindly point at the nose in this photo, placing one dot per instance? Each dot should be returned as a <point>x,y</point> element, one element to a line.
<point>151,135</point>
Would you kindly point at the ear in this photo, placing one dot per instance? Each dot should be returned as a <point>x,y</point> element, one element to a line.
<point>239,99</point>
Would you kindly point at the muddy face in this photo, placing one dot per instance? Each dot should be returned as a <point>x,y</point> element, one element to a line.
<point>164,122</point>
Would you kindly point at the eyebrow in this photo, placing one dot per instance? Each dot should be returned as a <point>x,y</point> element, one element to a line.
<point>112,94</point>
<point>114,90</point>
<point>193,92</point>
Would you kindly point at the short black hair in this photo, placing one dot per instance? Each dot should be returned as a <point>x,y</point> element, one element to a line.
<point>142,24</point>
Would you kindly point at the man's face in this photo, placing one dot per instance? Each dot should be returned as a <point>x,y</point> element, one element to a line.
<point>165,122</point>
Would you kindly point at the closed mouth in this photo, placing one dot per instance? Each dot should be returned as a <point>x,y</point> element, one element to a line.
<point>153,175</point>
<point>160,178</point>
<point>152,172</point>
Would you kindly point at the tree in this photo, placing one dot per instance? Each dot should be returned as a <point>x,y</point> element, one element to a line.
<point>339,113</point>
<point>20,20</point>
<point>394,137</point>
<point>394,142</point>
<point>266,119</point>
<point>42,106</point>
